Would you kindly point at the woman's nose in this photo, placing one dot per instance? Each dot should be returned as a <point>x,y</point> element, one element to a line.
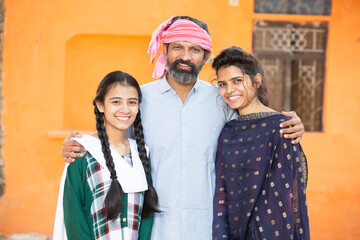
<point>229,88</point>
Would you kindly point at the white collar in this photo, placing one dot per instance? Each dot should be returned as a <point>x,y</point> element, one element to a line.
<point>132,179</point>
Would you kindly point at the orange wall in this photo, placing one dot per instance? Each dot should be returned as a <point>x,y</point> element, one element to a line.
<point>56,52</point>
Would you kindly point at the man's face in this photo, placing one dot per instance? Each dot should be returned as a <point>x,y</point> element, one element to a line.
<point>184,61</point>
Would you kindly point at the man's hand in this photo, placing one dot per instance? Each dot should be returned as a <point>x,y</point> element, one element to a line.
<point>293,128</point>
<point>70,147</point>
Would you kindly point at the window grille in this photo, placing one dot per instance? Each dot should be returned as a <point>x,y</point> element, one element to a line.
<point>293,58</point>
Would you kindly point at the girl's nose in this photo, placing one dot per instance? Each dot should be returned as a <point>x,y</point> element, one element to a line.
<point>125,108</point>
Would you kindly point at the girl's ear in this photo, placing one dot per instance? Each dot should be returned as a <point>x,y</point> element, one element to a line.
<point>100,106</point>
<point>258,80</point>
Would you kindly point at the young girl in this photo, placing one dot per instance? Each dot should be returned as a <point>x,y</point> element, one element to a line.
<point>260,176</point>
<point>107,194</point>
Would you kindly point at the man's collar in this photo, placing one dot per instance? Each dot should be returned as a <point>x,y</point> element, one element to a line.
<point>165,86</point>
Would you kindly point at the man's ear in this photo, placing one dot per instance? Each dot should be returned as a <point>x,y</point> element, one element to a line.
<point>258,80</point>
<point>164,48</point>
<point>100,106</point>
<point>207,55</point>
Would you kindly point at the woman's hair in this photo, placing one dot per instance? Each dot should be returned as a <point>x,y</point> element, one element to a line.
<point>113,199</point>
<point>248,63</point>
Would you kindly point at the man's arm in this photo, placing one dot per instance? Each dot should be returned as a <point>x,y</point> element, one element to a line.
<point>293,129</point>
<point>72,149</point>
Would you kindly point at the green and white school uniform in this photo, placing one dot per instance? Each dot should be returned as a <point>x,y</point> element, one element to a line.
<point>81,214</point>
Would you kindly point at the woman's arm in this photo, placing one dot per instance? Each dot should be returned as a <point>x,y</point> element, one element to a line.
<point>282,210</point>
<point>75,189</point>
<point>146,223</point>
<point>220,216</point>
<point>146,228</point>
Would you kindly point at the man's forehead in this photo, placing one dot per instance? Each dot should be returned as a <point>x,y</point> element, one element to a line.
<point>185,43</point>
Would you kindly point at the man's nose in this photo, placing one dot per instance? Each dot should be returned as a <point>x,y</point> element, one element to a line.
<point>186,56</point>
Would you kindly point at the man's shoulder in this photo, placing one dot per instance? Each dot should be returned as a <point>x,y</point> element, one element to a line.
<point>208,84</point>
<point>150,85</point>
<point>150,90</point>
<point>208,87</point>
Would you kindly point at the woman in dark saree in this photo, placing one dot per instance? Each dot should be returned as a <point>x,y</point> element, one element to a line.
<point>261,177</point>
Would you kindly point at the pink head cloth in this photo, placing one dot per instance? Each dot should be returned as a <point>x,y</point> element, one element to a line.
<point>180,30</point>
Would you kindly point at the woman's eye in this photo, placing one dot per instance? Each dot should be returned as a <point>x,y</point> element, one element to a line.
<point>133,102</point>
<point>238,80</point>
<point>221,84</point>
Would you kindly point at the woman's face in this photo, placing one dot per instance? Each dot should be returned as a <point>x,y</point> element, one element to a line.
<point>120,107</point>
<point>236,89</point>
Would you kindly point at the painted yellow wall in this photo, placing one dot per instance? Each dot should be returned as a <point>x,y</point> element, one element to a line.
<point>56,52</point>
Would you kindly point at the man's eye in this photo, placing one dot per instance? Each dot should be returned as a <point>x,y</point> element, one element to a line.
<point>221,84</point>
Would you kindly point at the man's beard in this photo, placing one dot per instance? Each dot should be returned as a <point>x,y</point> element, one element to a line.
<point>184,76</point>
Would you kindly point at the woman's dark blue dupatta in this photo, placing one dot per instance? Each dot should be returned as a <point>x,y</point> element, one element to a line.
<point>260,182</point>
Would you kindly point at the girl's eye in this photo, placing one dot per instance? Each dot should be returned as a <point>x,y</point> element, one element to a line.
<point>116,102</point>
<point>133,102</point>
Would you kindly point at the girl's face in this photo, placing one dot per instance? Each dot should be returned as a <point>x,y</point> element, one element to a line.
<point>236,89</point>
<point>120,107</point>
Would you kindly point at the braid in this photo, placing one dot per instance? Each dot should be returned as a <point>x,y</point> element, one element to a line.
<point>113,199</point>
<point>151,198</point>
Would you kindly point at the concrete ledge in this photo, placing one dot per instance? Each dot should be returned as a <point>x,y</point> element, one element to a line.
<point>28,236</point>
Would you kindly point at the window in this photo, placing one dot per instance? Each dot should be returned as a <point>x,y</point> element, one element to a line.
<point>303,7</point>
<point>293,57</point>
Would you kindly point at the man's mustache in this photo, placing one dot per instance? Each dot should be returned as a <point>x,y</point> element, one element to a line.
<point>190,64</point>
